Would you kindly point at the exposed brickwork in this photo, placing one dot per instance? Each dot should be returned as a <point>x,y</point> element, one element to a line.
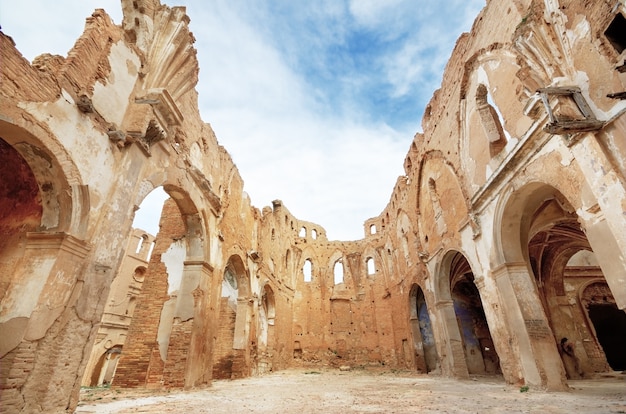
<point>493,197</point>
<point>13,374</point>
<point>223,352</point>
<point>177,353</point>
<point>134,369</point>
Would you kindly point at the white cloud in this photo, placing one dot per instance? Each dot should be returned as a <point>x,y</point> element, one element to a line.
<point>296,111</point>
<point>42,26</point>
<point>373,13</point>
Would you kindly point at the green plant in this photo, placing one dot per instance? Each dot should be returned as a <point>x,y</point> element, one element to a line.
<point>523,388</point>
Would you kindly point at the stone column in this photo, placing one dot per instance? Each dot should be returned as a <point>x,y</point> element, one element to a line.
<point>450,344</point>
<point>242,323</point>
<point>496,314</point>
<point>43,334</point>
<point>539,358</point>
<point>200,361</point>
<point>241,349</point>
<point>604,222</point>
<point>418,358</point>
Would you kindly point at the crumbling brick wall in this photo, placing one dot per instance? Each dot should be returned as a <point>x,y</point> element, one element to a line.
<point>140,363</point>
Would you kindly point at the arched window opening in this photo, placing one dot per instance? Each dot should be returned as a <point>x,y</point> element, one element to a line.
<point>140,243</point>
<point>491,121</point>
<point>267,316</point>
<point>287,259</point>
<point>307,270</point>
<point>314,234</point>
<point>338,272</point>
<point>437,210</point>
<point>302,232</point>
<point>149,214</point>
<point>373,229</point>
<point>371,266</point>
<point>150,251</point>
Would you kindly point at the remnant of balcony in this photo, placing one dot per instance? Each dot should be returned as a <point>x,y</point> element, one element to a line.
<point>569,113</point>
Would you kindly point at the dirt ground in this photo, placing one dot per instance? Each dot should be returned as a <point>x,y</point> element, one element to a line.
<point>362,391</point>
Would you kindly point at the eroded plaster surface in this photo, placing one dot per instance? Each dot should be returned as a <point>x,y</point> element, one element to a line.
<point>506,234</point>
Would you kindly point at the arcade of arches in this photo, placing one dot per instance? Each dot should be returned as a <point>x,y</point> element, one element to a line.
<point>501,251</point>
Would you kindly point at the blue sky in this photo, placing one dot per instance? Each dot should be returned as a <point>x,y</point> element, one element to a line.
<point>316,101</point>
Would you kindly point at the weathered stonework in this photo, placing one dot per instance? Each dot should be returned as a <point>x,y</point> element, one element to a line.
<point>119,310</point>
<point>506,233</point>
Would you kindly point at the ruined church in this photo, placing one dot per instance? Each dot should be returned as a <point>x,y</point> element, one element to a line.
<point>505,235</point>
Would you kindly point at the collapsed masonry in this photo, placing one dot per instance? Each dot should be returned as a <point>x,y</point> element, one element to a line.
<point>507,233</point>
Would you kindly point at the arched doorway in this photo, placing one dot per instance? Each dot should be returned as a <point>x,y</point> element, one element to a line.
<point>538,237</point>
<point>104,370</point>
<point>607,322</point>
<point>20,208</point>
<point>267,320</point>
<point>171,349</point>
<point>229,356</point>
<point>576,298</point>
<point>426,356</point>
<point>43,255</point>
<point>480,354</point>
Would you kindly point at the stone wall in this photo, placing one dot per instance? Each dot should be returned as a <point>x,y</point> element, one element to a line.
<point>519,168</point>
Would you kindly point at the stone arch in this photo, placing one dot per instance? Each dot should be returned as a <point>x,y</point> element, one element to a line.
<point>44,214</point>
<point>179,291</point>
<point>268,300</point>
<point>385,263</point>
<point>469,346</point>
<point>308,254</point>
<point>519,216</point>
<point>426,358</point>
<point>237,265</point>
<point>371,261</point>
<point>404,230</point>
<point>188,273</point>
<point>196,225</point>
<point>512,221</point>
<point>231,350</point>
<point>480,354</point>
<point>104,369</point>
<point>267,322</point>
<point>441,201</point>
<point>576,297</point>
<point>606,322</point>
<point>64,199</point>
<point>194,221</point>
<point>441,289</point>
<point>491,121</point>
<point>492,111</point>
<point>338,269</point>
<point>449,344</point>
<point>497,58</point>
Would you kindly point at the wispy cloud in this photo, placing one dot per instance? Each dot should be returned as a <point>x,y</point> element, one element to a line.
<point>317,102</point>
<point>41,26</point>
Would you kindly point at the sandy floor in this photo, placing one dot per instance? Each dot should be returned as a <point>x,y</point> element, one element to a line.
<point>360,391</point>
